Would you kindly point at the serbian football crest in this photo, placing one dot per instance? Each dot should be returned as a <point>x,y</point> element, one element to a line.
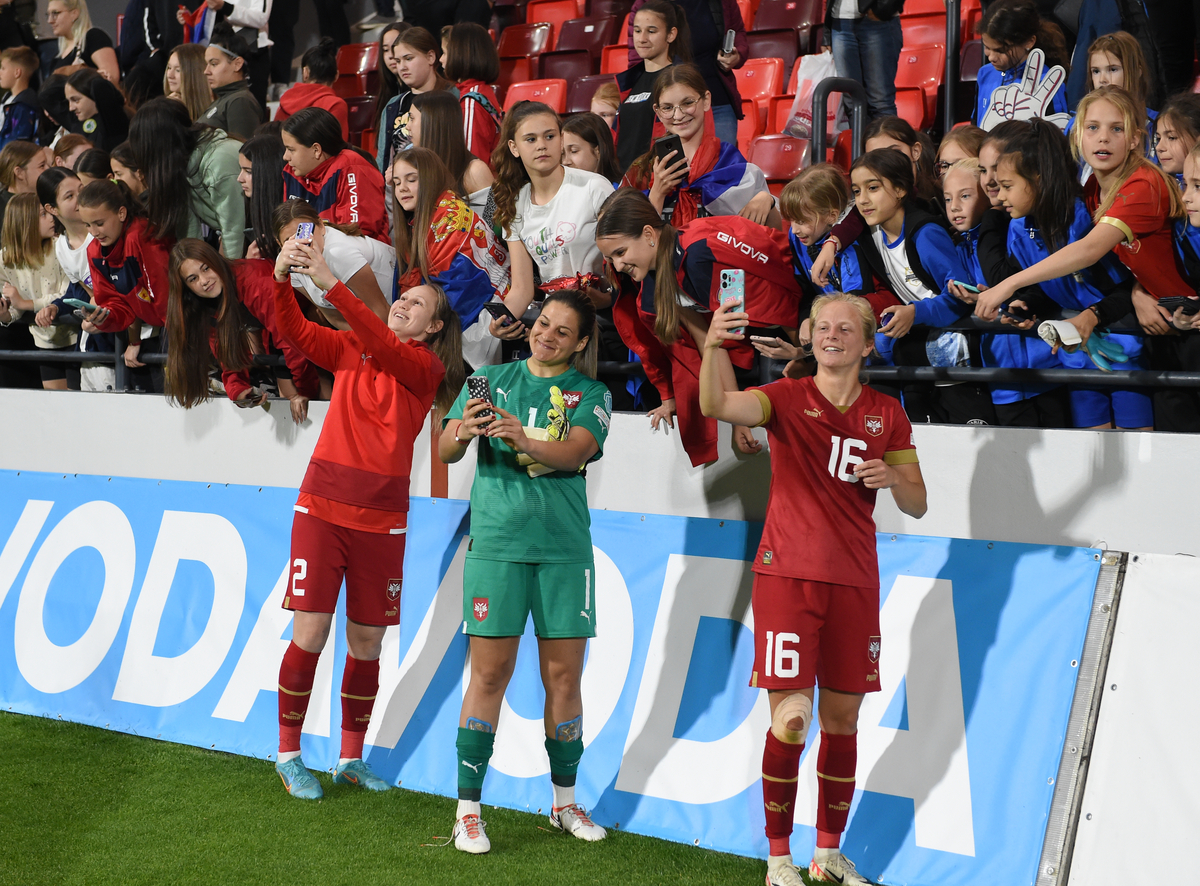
<point>572,398</point>
<point>393,588</point>
<point>480,608</point>
<point>873,646</point>
<point>874,425</point>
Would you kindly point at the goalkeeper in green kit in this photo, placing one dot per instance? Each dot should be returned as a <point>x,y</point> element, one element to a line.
<point>531,547</point>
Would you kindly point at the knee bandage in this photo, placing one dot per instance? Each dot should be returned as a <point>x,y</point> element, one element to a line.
<point>794,707</point>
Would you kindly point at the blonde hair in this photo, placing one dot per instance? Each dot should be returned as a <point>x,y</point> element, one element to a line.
<point>82,25</point>
<point>21,243</point>
<point>865,312</point>
<point>194,90</point>
<point>969,138</point>
<point>608,94</point>
<point>966,164</point>
<point>817,190</point>
<point>1125,48</point>
<point>1134,119</point>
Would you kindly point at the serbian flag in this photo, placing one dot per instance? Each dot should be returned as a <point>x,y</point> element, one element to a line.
<point>464,259</point>
<point>197,25</point>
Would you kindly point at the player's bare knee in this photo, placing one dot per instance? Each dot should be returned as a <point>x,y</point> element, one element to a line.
<point>790,721</point>
<point>310,630</point>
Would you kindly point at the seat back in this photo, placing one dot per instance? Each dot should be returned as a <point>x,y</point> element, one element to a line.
<point>922,30</point>
<point>971,61</point>
<point>361,116</point>
<point>780,157</point>
<point>565,64</point>
<point>524,41</point>
<point>750,126</point>
<point>550,92</point>
<point>357,58</point>
<point>579,95</point>
<point>588,34</point>
<point>555,12</point>
<point>747,9</point>
<point>614,59</point>
<point>783,44</point>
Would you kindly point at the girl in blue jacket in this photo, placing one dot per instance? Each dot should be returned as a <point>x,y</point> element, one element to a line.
<point>1010,30</point>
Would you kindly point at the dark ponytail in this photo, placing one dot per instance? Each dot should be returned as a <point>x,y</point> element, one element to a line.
<point>265,153</point>
<point>113,196</point>
<point>626,214</point>
<point>585,361</point>
<point>316,126</point>
<point>47,190</point>
<point>321,61</point>
<point>1042,156</point>
<point>925,180</point>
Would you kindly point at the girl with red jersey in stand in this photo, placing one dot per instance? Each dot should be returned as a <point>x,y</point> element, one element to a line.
<point>670,282</point>
<point>834,444</point>
<point>212,306</point>
<point>472,63</point>
<point>352,511</point>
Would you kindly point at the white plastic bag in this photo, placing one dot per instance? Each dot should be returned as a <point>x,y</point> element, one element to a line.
<point>813,69</point>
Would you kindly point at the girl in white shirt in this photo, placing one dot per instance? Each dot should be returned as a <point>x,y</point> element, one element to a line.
<point>365,265</point>
<point>546,211</point>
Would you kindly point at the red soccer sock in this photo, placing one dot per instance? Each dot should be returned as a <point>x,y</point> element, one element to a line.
<point>836,763</point>
<point>296,673</point>
<point>780,771</point>
<point>360,685</point>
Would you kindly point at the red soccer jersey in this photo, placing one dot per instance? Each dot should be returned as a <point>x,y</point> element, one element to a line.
<point>820,522</point>
<point>1140,213</point>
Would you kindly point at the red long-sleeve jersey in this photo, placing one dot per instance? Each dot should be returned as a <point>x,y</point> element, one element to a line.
<point>130,278</point>
<point>255,281</point>
<point>383,388</point>
<point>347,189</point>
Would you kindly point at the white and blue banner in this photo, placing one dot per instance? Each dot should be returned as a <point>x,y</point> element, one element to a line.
<point>153,607</point>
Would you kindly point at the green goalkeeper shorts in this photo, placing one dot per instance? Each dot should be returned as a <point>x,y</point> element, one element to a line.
<point>499,596</point>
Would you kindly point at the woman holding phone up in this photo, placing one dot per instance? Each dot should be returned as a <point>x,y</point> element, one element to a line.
<point>531,546</point>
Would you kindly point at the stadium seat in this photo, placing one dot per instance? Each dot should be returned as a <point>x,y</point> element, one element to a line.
<point>588,34</point>
<point>368,141</point>
<point>921,67</point>
<point>780,157</point>
<point>923,30</point>
<point>843,150</point>
<point>569,65</point>
<point>618,8</point>
<point>615,59</point>
<point>749,127</point>
<point>971,14</point>
<point>555,12</point>
<point>759,79</point>
<point>801,15</point>
<point>924,7</point>
<point>361,116</point>
<point>551,92</point>
<point>358,70</point>
<point>747,8</point>
<point>779,109</point>
<point>581,8</point>
<point>623,36</point>
<point>781,44</point>
<point>910,104</point>
<point>580,92</point>
<point>971,61</point>
<point>519,48</point>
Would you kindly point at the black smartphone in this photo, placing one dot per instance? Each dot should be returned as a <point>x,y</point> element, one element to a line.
<point>668,143</point>
<point>499,312</point>
<point>1015,313</point>
<point>1173,303</point>
<point>727,47</point>
<point>477,389</point>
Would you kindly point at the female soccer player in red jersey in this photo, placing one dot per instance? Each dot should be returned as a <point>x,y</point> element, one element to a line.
<point>834,443</point>
<point>352,512</point>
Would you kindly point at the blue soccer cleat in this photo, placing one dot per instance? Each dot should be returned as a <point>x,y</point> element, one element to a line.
<point>300,783</point>
<point>358,773</point>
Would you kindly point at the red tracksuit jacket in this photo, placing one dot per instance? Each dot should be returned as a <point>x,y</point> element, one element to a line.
<point>346,189</point>
<point>130,278</point>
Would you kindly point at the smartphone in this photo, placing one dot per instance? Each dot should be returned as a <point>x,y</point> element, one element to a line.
<point>727,47</point>
<point>305,230</point>
<point>477,389</point>
<point>1173,303</point>
<point>85,306</point>
<point>967,286</point>
<point>499,312</point>
<point>733,291</point>
<point>766,333</point>
<point>1015,313</point>
<point>668,143</point>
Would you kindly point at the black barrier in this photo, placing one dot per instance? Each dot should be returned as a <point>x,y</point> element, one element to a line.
<point>855,98</point>
<point>950,81</point>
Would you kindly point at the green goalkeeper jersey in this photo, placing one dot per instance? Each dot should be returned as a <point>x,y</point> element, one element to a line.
<point>521,511</point>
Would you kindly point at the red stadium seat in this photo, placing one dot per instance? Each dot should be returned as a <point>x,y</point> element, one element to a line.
<point>971,61</point>
<point>780,157</point>
<point>358,70</point>
<point>803,16</point>
<point>971,14</point>
<point>551,92</point>
<point>759,79</point>
<point>519,48</point>
<point>588,34</point>
<point>569,65</point>
<point>623,37</point>
<point>614,60</point>
<point>923,30</point>
<point>556,12</point>
<point>579,96</point>
<point>747,8</point>
<point>779,110</point>
<point>581,7</point>
<point>922,67</point>
<point>924,7</point>
<point>368,141</point>
<point>843,150</point>
<point>618,8</point>
<point>360,115</point>
<point>910,104</point>
<point>781,44</point>
<point>749,127</point>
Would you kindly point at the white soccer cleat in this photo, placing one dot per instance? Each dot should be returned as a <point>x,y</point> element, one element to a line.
<point>836,869</point>
<point>574,820</point>
<point>781,871</point>
<point>470,836</point>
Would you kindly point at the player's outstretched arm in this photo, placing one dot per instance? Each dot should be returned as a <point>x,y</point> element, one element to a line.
<point>905,481</point>
<point>735,407</point>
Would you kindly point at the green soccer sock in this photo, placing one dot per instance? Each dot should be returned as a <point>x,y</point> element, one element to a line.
<point>564,760</point>
<point>474,751</point>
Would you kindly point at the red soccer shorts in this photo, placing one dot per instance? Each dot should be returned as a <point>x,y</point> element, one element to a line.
<point>810,633</point>
<point>371,563</point>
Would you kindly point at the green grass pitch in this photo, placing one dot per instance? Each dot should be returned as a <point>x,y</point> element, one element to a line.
<point>81,805</point>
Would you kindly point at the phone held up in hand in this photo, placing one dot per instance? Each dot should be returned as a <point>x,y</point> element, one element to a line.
<point>665,145</point>
<point>733,291</point>
<point>477,389</point>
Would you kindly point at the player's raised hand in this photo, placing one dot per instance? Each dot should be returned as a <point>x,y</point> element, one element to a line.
<point>724,321</point>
